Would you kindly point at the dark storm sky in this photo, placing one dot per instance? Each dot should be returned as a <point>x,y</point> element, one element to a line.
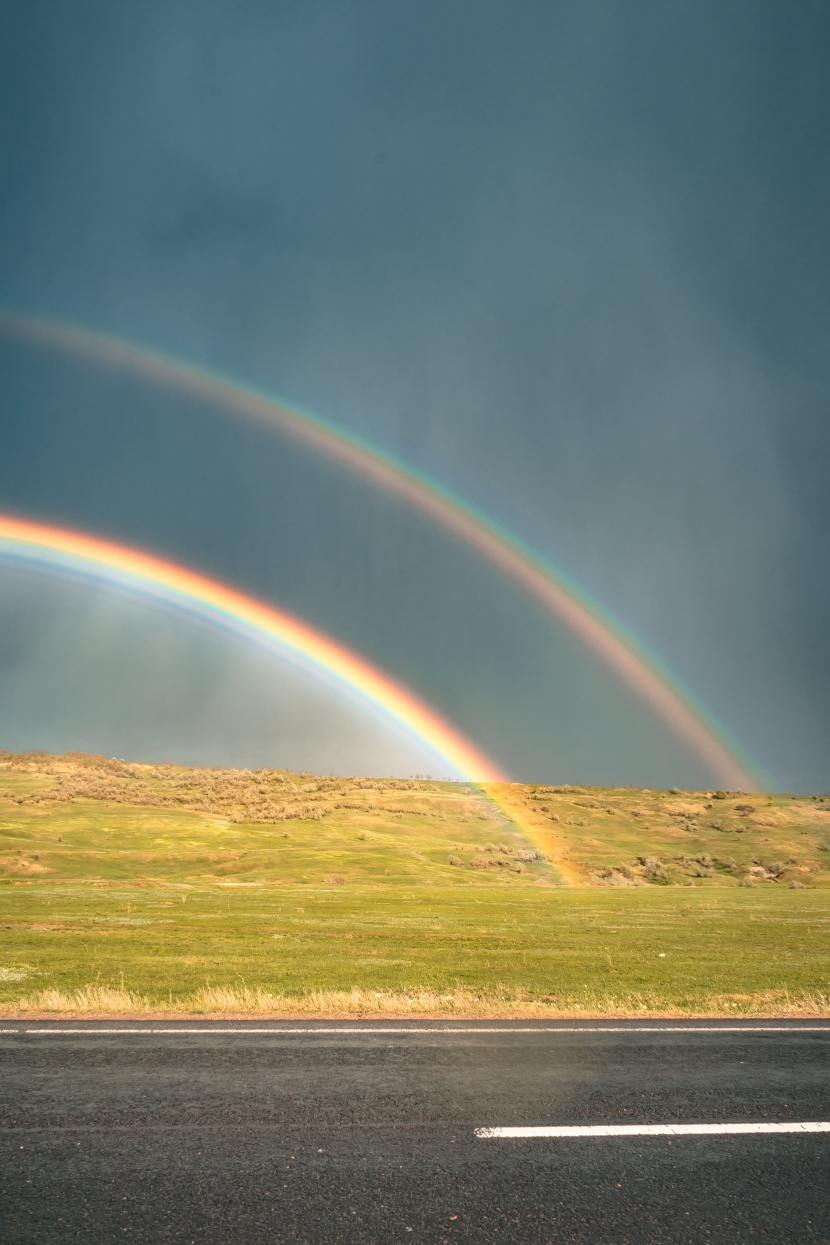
<point>569,259</point>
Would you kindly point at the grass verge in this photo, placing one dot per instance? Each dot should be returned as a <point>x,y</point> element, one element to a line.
<point>242,1002</point>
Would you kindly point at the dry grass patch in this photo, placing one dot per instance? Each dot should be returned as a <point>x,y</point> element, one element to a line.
<point>89,1000</point>
<point>460,1003</point>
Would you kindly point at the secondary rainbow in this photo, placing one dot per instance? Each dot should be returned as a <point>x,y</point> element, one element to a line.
<point>594,626</point>
<point>95,558</point>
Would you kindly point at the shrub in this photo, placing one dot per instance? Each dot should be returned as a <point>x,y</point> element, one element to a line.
<point>612,877</point>
<point>335,879</point>
<point>454,860</point>
<point>655,869</point>
<point>795,885</point>
<point>704,859</point>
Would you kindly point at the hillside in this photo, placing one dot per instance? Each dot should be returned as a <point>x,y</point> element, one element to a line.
<point>79,817</point>
<point>144,889</point>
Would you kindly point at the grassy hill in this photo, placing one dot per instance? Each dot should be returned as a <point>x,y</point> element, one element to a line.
<point>131,887</point>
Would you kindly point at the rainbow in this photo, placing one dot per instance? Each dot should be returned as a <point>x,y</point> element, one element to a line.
<point>91,557</point>
<point>646,676</point>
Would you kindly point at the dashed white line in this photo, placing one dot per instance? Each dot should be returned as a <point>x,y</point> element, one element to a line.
<point>652,1130</point>
<point>321,1031</point>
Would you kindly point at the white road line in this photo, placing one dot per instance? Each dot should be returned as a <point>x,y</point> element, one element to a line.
<point>321,1031</point>
<point>652,1130</point>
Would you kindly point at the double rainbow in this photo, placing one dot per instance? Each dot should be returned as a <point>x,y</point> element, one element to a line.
<point>595,627</point>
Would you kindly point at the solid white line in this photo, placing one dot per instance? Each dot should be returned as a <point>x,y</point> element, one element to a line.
<point>321,1031</point>
<point>652,1130</point>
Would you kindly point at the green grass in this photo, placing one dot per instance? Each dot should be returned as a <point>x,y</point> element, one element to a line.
<point>139,889</point>
<point>566,949</point>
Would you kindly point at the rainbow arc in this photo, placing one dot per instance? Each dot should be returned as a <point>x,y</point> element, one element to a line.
<point>620,652</point>
<point>224,606</point>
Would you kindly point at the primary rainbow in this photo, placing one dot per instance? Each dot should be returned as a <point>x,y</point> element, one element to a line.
<point>619,650</point>
<point>95,558</point>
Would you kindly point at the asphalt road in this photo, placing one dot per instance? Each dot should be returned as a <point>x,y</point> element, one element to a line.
<point>367,1133</point>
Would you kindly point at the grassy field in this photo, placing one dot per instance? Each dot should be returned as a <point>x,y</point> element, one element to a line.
<point>145,889</point>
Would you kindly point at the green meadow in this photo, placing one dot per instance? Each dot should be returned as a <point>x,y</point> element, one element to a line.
<point>138,889</point>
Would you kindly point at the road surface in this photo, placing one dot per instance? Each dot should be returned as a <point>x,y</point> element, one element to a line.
<point>391,1132</point>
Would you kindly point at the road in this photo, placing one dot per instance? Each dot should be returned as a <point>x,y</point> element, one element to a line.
<point>348,1132</point>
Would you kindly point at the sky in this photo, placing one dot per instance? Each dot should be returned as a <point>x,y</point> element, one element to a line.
<point>569,260</point>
